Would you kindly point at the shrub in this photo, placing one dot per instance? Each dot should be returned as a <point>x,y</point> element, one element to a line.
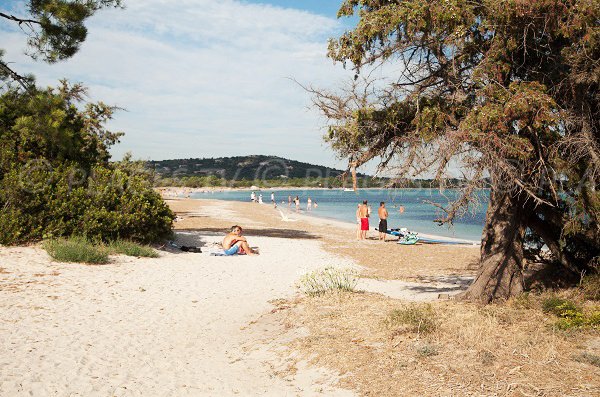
<point>108,204</point>
<point>76,249</point>
<point>420,319</point>
<point>328,279</point>
<point>132,249</point>
<point>560,307</point>
<point>571,316</point>
<point>55,177</point>
<point>593,320</point>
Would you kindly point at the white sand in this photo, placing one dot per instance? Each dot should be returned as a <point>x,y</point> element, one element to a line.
<point>171,326</point>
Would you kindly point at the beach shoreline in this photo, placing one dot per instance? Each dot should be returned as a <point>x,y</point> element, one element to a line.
<point>381,260</point>
<point>191,323</point>
<point>318,218</point>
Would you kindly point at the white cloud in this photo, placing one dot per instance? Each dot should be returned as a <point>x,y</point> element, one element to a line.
<point>203,78</point>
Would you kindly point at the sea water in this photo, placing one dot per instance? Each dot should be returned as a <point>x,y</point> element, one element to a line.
<point>419,214</point>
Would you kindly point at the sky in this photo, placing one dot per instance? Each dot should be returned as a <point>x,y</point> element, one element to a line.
<point>204,78</point>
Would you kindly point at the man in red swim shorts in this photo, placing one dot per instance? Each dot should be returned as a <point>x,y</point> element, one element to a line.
<point>363,212</point>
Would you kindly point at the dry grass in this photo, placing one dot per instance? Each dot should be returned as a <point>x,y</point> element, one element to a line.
<point>378,344</point>
<point>391,261</point>
<point>508,350</point>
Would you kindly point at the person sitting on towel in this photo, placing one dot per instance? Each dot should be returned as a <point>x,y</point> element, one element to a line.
<point>235,244</point>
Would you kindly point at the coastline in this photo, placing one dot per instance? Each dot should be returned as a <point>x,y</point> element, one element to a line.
<point>316,217</point>
<point>194,324</point>
<point>390,261</point>
<point>190,323</point>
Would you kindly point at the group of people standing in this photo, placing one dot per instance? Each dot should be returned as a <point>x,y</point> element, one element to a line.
<point>296,201</point>
<point>259,199</point>
<point>310,204</point>
<point>363,213</point>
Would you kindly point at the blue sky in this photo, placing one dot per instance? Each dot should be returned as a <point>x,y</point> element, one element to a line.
<point>327,8</point>
<point>205,78</point>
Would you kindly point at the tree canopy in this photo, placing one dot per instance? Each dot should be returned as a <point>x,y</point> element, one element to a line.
<point>55,175</point>
<point>505,88</point>
<point>55,29</point>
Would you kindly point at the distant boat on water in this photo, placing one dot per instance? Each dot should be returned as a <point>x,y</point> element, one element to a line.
<point>348,189</point>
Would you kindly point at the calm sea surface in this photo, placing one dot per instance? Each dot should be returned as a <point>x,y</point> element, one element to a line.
<point>338,204</point>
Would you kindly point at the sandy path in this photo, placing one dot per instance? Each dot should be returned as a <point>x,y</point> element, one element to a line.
<point>148,327</point>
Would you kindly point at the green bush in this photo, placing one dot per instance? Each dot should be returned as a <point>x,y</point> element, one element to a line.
<point>108,204</point>
<point>328,279</point>
<point>571,315</point>
<point>593,319</point>
<point>130,248</point>
<point>55,176</point>
<point>417,318</point>
<point>76,249</point>
<point>560,307</point>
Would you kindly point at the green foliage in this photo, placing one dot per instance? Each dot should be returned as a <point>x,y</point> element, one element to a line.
<point>570,315</point>
<point>417,318</point>
<point>329,279</point>
<point>56,28</point>
<point>83,250</point>
<point>130,248</point>
<point>559,306</point>
<point>502,88</point>
<point>106,205</point>
<point>47,126</point>
<point>55,179</point>
<point>76,249</point>
<point>256,167</point>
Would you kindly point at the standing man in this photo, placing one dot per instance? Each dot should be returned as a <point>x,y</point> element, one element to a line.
<point>358,232</point>
<point>273,200</point>
<point>297,202</point>
<point>253,197</point>
<point>383,215</point>
<point>364,220</point>
<point>290,201</point>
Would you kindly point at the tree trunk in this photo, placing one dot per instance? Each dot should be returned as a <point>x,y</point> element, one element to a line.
<point>500,272</point>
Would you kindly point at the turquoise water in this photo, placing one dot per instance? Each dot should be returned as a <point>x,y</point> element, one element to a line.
<point>337,204</point>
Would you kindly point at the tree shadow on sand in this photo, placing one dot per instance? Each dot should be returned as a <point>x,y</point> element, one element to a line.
<point>267,232</point>
<point>457,283</point>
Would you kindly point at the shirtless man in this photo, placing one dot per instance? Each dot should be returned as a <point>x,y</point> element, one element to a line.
<point>358,232</point>
<point>235,244</point>
<point>383,215</point>
<point>363,213</point>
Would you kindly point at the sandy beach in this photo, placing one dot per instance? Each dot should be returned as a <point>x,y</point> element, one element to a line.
<point>183,323</point>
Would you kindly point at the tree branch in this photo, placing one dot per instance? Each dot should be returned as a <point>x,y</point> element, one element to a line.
<point>19,20</point>
<point>22,80</point>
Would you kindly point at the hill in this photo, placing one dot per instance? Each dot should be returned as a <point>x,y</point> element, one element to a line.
<point>255,167</point>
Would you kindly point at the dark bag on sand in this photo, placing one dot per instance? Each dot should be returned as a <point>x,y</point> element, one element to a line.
<point>186,248</point>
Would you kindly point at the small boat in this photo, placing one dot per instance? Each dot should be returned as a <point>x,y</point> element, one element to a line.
<point>348,189</point>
